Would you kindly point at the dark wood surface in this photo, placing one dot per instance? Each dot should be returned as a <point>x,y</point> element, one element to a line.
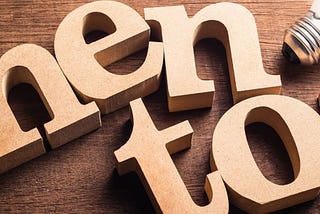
<point>80,176</point>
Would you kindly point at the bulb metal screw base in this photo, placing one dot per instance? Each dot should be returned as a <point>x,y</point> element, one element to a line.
<point>302,41</point>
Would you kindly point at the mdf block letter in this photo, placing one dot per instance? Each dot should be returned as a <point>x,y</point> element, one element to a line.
<point>34,65</point>
<point>147,152</point>
<point>223,21</point>
<point>83,64</point>
<point>298,126</point>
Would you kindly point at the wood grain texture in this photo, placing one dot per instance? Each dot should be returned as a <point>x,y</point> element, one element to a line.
<point>80,176</point>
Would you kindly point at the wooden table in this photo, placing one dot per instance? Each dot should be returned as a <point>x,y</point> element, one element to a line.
<point>80,176</point>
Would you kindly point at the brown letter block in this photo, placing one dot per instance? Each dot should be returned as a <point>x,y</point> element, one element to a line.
<point>224,21</point>
<point>298,126</point>
<point>83,64</point>
<point>148,153</point>
<point>34,65</point>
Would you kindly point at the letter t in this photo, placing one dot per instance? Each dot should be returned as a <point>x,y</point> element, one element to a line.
<point>147,152</point>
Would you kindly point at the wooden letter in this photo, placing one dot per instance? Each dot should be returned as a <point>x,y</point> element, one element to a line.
<point>83,64</point>
<point>224,21</point>
<point>147,153</point>
<point>34,65</point>
<point>298,126</point>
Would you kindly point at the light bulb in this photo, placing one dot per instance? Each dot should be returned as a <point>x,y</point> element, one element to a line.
<point>301,43</point>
